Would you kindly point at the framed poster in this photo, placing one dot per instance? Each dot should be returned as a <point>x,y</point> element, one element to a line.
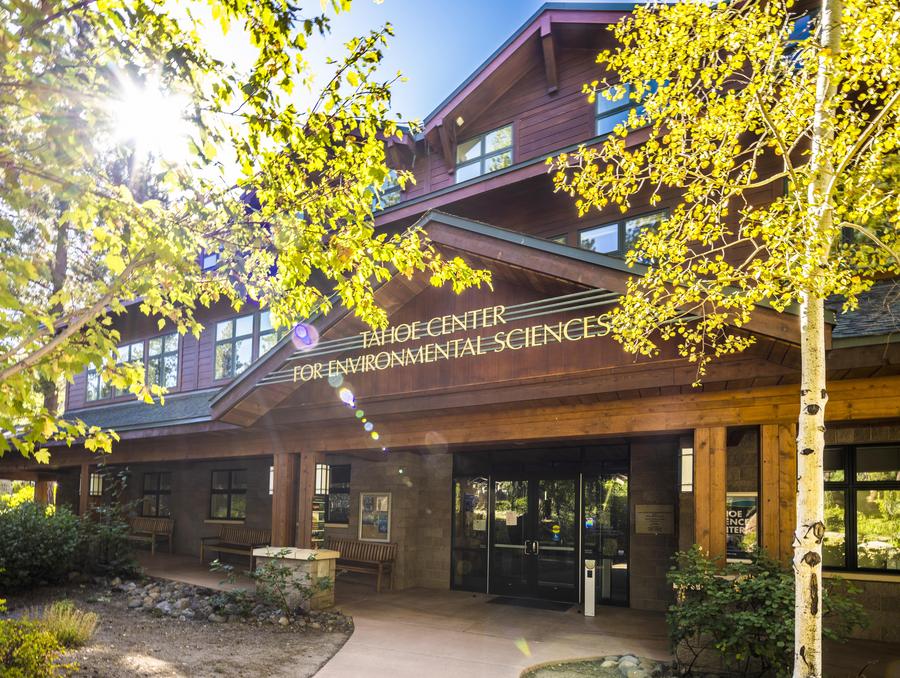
<point>741,525</point>
<point>375,516</point>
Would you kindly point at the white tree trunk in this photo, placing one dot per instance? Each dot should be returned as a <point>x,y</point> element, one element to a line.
<point>813,396</point>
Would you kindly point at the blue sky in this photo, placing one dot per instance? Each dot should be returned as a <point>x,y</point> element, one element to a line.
<point>437,43</point>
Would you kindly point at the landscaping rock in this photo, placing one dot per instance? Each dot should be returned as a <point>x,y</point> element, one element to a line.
<point>165,607</point>
<point>135,603</point>
<point>609,664</point>
<point>283,621</point>
<point>216,618</point>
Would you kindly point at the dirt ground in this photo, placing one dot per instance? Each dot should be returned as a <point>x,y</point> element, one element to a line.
<point>133,643</point>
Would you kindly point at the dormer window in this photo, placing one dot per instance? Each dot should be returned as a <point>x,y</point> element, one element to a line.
<point>485,153</point>
<point>608,114</point>
<point>620,236</point>
<point>389,194</point>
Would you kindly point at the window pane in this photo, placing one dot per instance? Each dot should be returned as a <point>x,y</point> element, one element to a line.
<point>636,225</point>
<point>265,321</point>
<point>148,506</point>
<point>220,480</point>
<point>834,548</point>
<point>137,352</point>
<point>468,172</point>
<point>243,349</point>
<point>238,480</point>
<point>607,123</point>
<point>878,529</point>
<point>878,463</point>
<point>243,326</point>
<point>165,482</point>
<point>155,346</point>
<point>502,138</point>
<point>218,506</point>
<point>238,506</point>
<point>601,239</point>
<point>223,360</point>
<point>267,342</point>
<point>171,342</point>
<point>153,373</point>
<point>498,162</point>
<point>170,369</point>
<point>224,330</point>
<point>605,106</point>
<point>468,150</point>
<point>93,386</point>
<point>150,481</point>
<point>834,464</point>
<point>164,509</point>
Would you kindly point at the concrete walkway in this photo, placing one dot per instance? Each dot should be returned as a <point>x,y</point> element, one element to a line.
<point>421,632</point>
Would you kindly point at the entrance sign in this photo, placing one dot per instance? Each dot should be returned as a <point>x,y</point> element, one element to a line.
<point>741,525</point>
<point>654,519</point>
<point>393,353</point>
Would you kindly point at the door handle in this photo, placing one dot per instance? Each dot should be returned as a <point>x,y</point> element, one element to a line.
<point>537,547</point>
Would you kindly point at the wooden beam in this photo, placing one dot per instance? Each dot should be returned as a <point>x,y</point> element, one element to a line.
<point>84,494</point>
<point>787,490</point>
<point>548,46</point>
<point>778,485</point>
<point>709,489</point>
<point>284,499</point>
<point>447,135</point>
<point>307,486</point>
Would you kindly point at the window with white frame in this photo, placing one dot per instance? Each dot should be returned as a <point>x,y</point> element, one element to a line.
<point>162,360</point>
<point>485,153</point>
<point>132,353</point>
<point>268,335</point>
<point>619,237</point>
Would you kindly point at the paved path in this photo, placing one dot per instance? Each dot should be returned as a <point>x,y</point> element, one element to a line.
<point>417,632</point>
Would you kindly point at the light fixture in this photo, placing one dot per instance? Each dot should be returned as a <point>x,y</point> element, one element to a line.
<point>323,478</point>
<point>460,121</point>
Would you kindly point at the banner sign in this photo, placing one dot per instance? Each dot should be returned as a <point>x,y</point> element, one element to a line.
<point>741,525</point>
<point>389,348</point>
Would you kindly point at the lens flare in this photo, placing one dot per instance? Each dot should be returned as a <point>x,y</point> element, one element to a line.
<point>346,396</point>
<point>360,414</point>
<point>304,337</point>
<point>369,426</point>
<point>375,435</point>
<point>335,380</point>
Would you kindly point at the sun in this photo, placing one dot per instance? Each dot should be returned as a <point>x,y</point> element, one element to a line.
<point>151,119</point>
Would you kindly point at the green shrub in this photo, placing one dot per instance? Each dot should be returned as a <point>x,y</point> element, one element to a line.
<point>36,545</point>
<point>743,613</point>
<point>70,626</point>
<point>105,547</point>
<point>28,651</point>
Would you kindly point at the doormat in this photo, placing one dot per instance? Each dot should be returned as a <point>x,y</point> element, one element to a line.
<point>532,603</point>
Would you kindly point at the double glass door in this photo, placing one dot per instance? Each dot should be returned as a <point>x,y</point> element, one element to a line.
<point>534,538</point>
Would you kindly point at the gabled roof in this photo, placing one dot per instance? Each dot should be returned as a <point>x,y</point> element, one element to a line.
<point>540,21</point>
<point>243,401</point>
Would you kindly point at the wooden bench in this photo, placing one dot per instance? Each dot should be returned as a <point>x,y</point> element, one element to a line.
<point>236,539</point>
<point>150,529</point>
<point>366,557</point>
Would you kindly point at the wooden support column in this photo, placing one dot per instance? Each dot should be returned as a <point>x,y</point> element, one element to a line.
<point>42,492</point>
<point>778,486</point>
<point>284,499</point>
<point>84,494</point>
<point>307,489</point>
<point>709,489</point>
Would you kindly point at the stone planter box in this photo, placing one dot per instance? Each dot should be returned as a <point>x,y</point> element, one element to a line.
<point>309,567</point>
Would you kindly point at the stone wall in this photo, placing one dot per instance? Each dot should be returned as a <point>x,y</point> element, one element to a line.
<point>420,487</point>
<point>653,481</point>
<point>190,503</point>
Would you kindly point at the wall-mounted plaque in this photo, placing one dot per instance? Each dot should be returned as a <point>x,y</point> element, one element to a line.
<point>654,519</point>
<point>375,516</point>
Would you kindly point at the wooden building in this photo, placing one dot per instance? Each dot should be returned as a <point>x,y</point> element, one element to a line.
<point>501,438</point>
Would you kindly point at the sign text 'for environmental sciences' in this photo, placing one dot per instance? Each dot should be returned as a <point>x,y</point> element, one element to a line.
<point>386,349</point>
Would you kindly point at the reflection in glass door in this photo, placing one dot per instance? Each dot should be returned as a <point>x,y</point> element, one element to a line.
<point>470,543</point>
<point>606,534</point>
<point>534,538</point>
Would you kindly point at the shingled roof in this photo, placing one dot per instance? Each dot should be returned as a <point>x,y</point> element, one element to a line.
<point>184,408</point>
<point>878,313</point>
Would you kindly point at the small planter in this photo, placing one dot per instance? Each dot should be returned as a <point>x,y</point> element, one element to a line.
<point>310,569</point>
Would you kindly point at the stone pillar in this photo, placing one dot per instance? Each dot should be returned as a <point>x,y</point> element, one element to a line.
<point>778,487</point>
<point>709,489</point>
<point>284,494</point>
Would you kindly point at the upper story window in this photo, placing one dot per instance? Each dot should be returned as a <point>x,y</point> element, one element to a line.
<point>862,508</point>
<point>209,260</point>
<point>619,237</point>
<point>130,353</point>
<point>97,389</point>
<point>162,360</point>
<point>608,114</point>
<point>268,335</point>
<point>389,194</point>
<point>234,346</point>
<point>485,153</point>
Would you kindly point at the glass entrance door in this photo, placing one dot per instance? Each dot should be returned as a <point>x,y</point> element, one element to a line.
<point>606,534</point>
<point>534,538</point>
